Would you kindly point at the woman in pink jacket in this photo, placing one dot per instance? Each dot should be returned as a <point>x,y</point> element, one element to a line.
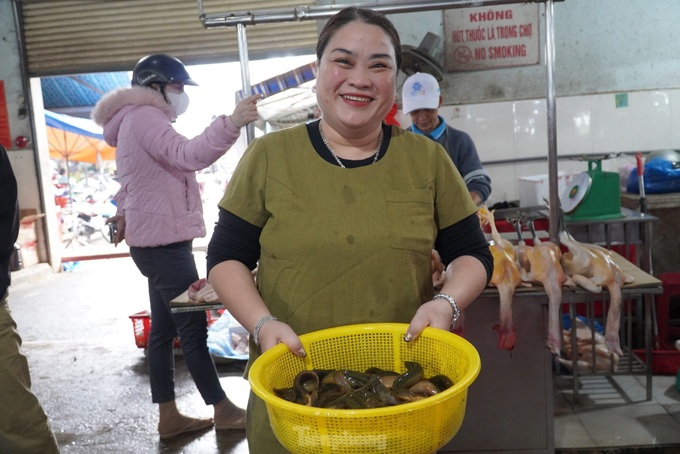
<point>160,213</point>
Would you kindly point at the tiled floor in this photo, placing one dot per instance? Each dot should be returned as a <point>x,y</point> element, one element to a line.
<point>613,413</point>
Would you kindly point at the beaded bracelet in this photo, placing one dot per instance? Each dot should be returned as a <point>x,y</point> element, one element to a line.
<point>259,325</point>
<point>454,306</point>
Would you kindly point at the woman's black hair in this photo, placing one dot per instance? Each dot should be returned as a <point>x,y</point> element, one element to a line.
<point>365,15</point>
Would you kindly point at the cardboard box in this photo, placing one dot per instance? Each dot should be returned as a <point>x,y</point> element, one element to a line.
<point>29,255</point>
<point>28,237</point>
<point>533,189</point>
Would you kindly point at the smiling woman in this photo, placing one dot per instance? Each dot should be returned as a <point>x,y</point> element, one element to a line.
<point>356,88</point>
<point>342,215</point>
<point>356,84</point>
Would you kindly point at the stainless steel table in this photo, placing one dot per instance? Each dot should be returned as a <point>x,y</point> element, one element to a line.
<point>510,405</point>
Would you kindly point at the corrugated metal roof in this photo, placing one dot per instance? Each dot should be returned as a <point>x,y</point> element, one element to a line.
<point>79,36</point>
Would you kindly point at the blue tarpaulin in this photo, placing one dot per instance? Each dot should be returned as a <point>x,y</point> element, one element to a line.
<point>79,92</point>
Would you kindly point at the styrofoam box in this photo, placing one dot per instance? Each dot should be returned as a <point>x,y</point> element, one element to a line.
<point>533,189</point>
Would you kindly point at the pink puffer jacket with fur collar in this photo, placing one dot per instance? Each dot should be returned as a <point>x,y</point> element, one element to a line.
<point>156,165</point>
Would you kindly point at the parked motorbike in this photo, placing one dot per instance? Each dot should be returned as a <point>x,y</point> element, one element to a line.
<point>83,222</point>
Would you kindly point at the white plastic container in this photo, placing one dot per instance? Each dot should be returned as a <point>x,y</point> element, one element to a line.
<point>533,189</point>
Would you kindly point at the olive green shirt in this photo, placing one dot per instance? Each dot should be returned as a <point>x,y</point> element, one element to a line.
<point>342,246</point>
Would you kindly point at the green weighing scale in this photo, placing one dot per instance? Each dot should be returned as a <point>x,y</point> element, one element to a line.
<point>594,194</point>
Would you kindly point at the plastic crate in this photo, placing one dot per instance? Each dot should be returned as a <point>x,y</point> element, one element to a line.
<point>668,328</point>
<point>664,362</point>
<point>141,325</point>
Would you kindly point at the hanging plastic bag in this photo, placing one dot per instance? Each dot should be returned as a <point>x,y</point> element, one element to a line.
<point>661,177</point>
<point>228,339</point>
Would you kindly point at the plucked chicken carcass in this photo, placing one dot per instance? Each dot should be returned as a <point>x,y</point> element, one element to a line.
<point>506,278</point>
<point>593,268</point>
<point>541,263</point>
<point>201,291</point>
<point>592,355</point>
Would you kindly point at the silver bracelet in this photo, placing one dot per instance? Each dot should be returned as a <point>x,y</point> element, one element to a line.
<point>259,325</point>
<point>454,306</point>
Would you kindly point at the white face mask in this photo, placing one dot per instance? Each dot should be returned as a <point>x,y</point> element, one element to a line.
<point>179,101</point>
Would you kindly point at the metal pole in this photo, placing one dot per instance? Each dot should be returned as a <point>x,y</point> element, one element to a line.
<point>309,12</point>
<point>245,73</point>
<point>554,209</point>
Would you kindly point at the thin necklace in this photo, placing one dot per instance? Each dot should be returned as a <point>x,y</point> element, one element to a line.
<point>337,159</point>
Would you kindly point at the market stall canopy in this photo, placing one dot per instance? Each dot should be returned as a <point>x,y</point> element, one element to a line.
<point>76,139</point>
<point>288,98</point>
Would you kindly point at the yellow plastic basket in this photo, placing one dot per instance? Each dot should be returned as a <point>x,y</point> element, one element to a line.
<point>420,427</point>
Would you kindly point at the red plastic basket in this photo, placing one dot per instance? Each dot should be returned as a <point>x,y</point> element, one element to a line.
<point>141,325</point>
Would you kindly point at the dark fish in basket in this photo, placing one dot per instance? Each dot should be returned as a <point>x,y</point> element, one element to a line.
<point>374,388</point>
